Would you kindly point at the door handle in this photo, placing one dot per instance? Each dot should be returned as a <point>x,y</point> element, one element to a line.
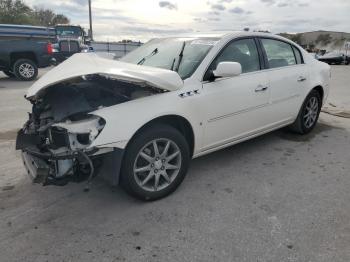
<point>301,78</point>
<point>261,88</point>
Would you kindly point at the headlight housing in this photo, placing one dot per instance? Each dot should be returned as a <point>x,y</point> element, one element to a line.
<point>82,132</point>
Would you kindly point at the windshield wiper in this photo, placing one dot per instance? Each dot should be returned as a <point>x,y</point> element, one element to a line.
<point>181,54</point>
<point>172,64</point>
<point>155,51</point>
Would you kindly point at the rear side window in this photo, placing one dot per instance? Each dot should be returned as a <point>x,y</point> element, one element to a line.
<point>279,54</point>
<point>298,56</point>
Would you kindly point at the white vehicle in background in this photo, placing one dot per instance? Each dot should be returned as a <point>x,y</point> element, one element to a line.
<point>138,121</point>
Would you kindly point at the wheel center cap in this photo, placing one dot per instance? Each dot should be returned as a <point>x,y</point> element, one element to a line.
<point>158,164</point>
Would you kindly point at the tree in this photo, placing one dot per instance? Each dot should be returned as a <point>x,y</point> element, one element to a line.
<point>17,12</point>
<point>60,19</point>
<point>43,16</point>
<point>47,17</point>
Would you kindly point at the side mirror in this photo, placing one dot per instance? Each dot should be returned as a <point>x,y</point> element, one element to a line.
<point>227,69</point>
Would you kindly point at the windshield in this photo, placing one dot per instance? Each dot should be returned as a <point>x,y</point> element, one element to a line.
<point>178,54</point>
<point>68,30</point>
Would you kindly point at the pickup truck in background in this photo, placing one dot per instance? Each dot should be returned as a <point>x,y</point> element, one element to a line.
<point>24,49</point>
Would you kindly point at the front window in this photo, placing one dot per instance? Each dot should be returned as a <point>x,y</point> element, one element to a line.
<point>242,51</point>
<point>182,55</point>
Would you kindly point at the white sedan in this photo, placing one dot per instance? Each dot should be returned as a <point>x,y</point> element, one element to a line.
<point>138,121</point>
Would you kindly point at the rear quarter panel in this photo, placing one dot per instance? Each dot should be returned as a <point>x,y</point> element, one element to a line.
<point>319,75</point>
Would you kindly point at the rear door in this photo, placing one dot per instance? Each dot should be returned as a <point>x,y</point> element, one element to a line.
<point>288,76</point>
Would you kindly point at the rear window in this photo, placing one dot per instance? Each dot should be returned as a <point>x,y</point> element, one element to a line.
<point>279,54</point>
<point>298,56</point>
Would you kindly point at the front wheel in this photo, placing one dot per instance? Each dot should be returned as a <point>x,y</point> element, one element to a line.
<point>309,113</point>
<point>155,163</point>
<point>25,69</point>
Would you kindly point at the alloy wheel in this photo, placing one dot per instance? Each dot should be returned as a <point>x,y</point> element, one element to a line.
<point>311,112</point>
<point>26,70</point>
<point>157,164</point>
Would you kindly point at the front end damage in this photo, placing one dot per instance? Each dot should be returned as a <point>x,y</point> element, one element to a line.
<point>56,140</point>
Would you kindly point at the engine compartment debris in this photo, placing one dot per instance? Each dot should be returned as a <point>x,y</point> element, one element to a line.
<point>56,139</point>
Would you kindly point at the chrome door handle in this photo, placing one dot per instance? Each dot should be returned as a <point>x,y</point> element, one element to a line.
<point>261,88</point>
<point>301,79</point>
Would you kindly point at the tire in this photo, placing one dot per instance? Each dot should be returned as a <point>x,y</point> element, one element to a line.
<point>141,184</point>
<point>301,125</point>
<point>25,69</point>
<point>8,73</point>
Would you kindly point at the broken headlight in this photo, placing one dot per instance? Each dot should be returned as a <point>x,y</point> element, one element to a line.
<point>81,133</point>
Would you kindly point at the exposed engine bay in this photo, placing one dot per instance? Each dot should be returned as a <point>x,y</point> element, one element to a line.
<point>56,139</point>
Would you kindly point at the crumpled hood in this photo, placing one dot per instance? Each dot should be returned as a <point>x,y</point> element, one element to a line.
<point>90,63</point>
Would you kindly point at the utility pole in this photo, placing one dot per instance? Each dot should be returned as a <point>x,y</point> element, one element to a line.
<point>90,21</point>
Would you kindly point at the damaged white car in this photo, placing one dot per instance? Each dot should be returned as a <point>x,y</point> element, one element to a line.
<point>138,121</point>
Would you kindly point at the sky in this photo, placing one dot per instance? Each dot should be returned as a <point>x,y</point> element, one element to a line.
<point>115,20</point>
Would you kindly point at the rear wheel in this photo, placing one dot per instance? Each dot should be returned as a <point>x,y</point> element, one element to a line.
<point>309,113</point>
<point>25,69</point>
<point>155,163</point>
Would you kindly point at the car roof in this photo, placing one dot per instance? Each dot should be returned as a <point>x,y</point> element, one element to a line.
<point>226,34</point>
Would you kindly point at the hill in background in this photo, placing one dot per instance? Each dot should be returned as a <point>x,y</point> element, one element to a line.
<point>320,40</point>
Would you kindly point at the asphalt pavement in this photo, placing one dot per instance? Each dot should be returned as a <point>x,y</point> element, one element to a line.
<point>278,197</point>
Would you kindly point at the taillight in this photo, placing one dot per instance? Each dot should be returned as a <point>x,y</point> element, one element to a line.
<point>49,48</point>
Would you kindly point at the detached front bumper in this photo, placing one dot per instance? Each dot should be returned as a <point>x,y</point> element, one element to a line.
<point>37,169</point>
<point>52,168</point>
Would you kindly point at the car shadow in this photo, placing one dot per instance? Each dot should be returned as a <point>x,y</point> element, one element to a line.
<point>103,195</point>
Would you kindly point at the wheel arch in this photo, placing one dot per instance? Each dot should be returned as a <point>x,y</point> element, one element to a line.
<point>320,90</point>
<point>296,126</point>
<point>176,121</point>
<point>23,55</point>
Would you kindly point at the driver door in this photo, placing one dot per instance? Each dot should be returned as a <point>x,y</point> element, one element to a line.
<point>235,107</point>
